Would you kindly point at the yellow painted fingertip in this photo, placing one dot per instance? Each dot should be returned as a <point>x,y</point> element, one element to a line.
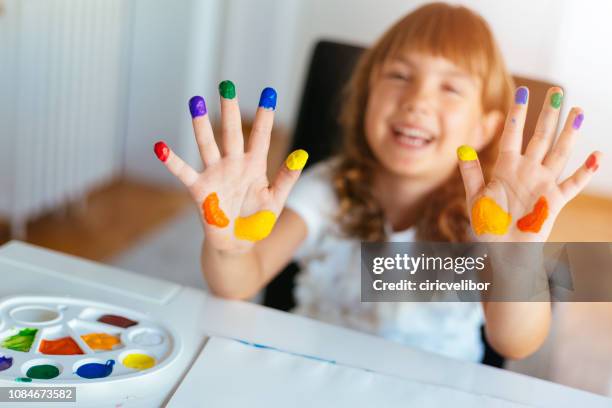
<point>466,153</point>
<point>255,227</point>
<point>297,160</point>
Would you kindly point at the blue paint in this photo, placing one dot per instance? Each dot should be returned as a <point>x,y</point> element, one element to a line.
<point>267,100</point>
<point>96,370</point>
<point>521,96</point>
<point>197,106</point>
<point>263,346</point>
<point>5,363</point>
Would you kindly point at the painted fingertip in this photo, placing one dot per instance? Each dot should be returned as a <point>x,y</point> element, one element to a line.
<point>466,153</point>
<point>556,99</point>
<point>296,160</point>
<point>521,95</point>
<point>267,100</point>
<point>592,163</point>
<point>578,121</point>
<point>162,151</point>
<point>197,106</point>
<point>227,89</point>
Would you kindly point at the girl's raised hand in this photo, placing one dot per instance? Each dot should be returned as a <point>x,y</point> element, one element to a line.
<point>523,198</point>
<point>238,206</point>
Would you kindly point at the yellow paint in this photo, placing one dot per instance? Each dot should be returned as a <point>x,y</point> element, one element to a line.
<point>138,361</point>
<point>255,227</point>
<point>297,160</point>
<point>100,341</point>
<point>489,218</point>
<point>466,153</point>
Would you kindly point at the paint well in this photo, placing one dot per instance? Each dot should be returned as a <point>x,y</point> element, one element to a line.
<point>22,341</point>
<point>63,346</point>
<point>95,370</point>
<point>117,320</point>
<point>213,214</point>
<point>533,221</point>
<point>138,361</point>
<point>101,341</point>
<point>296,160</point>
<point>489,218</point>
<point>43,372</point>
<point>255,227</point>
<point>5,362</point>
<point>147,338</point>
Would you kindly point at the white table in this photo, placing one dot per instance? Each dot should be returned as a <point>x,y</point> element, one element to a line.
<point>231,319</point>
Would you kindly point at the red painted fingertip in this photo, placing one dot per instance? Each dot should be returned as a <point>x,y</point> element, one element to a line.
<point>591,163</point>
<point>162,151</point>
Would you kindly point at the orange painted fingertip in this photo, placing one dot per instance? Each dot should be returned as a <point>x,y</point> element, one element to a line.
<point>162,151</point>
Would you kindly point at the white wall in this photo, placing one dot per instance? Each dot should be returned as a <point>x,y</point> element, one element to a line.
<point>563,41</point>
<point>174,56</point>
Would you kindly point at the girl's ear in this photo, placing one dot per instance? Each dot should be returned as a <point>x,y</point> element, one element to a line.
<point>491,123</point>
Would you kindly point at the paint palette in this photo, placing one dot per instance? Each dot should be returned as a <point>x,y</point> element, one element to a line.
<point>65,340</point>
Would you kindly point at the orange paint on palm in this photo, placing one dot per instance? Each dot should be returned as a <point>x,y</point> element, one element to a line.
<point>212,213</point>
<point>533,221</point>
<point>63,346</point>
<point>101,341</point>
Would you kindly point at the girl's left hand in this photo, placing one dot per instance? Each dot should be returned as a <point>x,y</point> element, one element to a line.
<point>523,197</point>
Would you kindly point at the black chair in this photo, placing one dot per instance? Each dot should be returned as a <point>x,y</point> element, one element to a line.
<point>318,132</point>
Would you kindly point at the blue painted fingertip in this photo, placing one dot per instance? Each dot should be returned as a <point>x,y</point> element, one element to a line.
<point>197,106</point>
<point>267,100</point>
<point>521,96</point>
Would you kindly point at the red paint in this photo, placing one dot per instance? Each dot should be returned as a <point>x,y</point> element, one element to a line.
<point>63,346</point>
<point>533,221</point>
<point>162,151</point>
<point>591,163</point>
<point>118,321</point>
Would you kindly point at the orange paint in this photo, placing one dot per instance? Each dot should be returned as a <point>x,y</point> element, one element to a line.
<point>533,221</point>
<point>62,346</point>
<point>101,341</point>
<point>212,213</point>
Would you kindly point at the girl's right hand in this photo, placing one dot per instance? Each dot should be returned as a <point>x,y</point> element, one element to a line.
<point>238,206</point>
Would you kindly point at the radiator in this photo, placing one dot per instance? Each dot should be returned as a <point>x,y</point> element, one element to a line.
<point>63,81</point>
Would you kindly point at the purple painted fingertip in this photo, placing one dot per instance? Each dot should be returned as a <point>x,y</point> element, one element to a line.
<point>197,106</point>
<point>578,121</point>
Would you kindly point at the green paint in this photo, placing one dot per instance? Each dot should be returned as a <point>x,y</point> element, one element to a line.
<point>21,341</point>
<point>556,99</point>
<point>227,89</point>
<point>43,371</point>
<point>23,379</point>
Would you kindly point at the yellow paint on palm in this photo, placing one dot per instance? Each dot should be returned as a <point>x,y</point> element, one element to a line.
<point>489,218</point>
<point>255,227</point>
<point>297,160</point>
<point>466,153</point>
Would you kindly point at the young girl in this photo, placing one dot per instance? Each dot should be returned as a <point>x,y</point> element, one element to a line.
<point>433,89</point>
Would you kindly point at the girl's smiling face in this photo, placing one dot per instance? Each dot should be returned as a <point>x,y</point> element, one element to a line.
<point>420,109</point>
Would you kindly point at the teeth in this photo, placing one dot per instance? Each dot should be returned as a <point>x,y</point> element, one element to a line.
<point>414,133</point>
<point>413,141</point>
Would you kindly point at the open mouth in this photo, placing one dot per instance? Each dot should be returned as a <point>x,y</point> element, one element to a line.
<point>412,137</point>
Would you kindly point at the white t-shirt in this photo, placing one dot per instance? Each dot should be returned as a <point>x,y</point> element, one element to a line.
<point>328,287</point>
